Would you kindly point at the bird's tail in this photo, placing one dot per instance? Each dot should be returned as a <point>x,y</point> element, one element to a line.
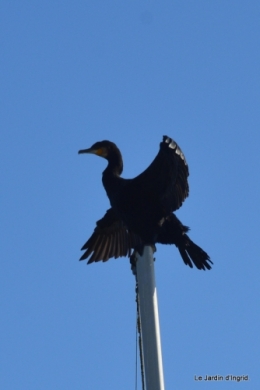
<point>174,232</point>
<point>192,253</point>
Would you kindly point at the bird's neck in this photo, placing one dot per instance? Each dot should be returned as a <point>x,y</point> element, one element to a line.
<point>115,164</point>
<point>112,172</point>
<point>111,181</point>
<point>111,176</point>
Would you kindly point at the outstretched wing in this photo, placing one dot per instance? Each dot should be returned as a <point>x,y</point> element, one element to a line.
<point>111,238</point>
<point>165,181</point>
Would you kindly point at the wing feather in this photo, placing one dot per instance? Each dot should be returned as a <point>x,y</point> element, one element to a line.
<point>110,239</point>
<point>164,184</point>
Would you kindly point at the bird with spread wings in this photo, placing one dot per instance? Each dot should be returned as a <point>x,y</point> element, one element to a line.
<point>142,208</point>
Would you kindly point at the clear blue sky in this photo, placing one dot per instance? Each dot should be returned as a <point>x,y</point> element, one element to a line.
<point>73,73</point>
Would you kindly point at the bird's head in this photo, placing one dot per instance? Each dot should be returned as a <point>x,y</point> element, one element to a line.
<point>110,152</point>
<point>102,149</point>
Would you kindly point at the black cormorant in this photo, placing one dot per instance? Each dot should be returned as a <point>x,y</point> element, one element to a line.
<point>142,208</point>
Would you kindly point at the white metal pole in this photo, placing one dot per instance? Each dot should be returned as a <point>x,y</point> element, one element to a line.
<point>150,328</point>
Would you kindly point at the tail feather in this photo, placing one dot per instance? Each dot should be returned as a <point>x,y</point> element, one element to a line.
<point>174,232</point>
<point>192,253</point>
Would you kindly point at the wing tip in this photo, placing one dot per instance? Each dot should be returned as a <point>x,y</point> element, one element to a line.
<point>170,143</point>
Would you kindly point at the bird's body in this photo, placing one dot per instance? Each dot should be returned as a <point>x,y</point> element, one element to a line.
<point>142,208</point>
